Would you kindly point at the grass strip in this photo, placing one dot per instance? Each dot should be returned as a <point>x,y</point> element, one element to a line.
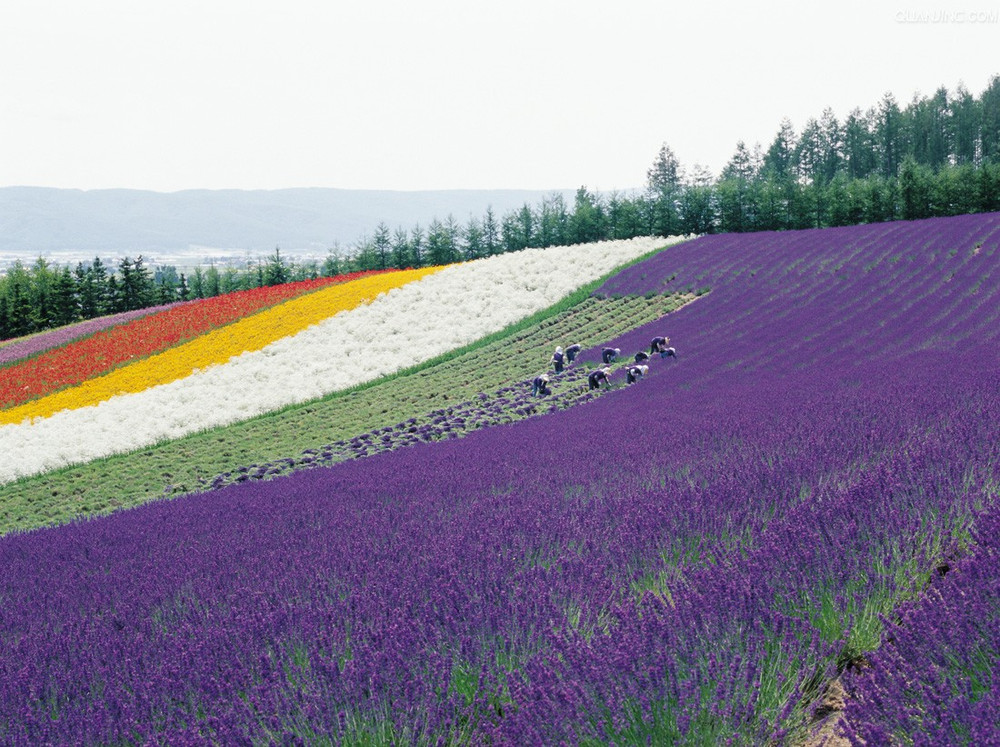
<point>183,465</point>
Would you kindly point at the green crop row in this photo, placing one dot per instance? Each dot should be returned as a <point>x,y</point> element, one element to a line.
<point>185,465</point>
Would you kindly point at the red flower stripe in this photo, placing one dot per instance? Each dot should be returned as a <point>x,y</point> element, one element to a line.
<point>80,360</point>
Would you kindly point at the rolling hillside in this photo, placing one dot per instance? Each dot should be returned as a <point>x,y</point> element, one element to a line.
<point>433,556</point>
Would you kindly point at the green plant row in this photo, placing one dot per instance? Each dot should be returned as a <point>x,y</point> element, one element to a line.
<point>185,465</point>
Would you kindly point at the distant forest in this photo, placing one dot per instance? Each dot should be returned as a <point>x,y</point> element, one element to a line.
<point>937,155</point>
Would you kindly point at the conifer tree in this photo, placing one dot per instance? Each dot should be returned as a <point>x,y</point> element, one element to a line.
<point>588,221</point>
<point>779,160</point>
<point>381,246</point>
<point>888,137</point>
<point>737,209</point>
<point>136,287</point>
<point>527,230</point>
<point>417,246</point>
<point>332,265</point>
<point>472,240</point>
<point>989,129</point>
<point>213,282</point>
<point>511,233</point>
<point>276,271</point>
<point>5,332</point>
<point>114,296</point>
<point>40,282</point>
<point>400,249</point>
<point>197,285</point>
<point>964,126</point>
<point>86,292</point>
<point>663,183</point>
<point>441,242</point>
<point>698,203</point>
<point>65,300</point>
<point>859,145</point>
<point>491,233</point>
<point>103,303</point>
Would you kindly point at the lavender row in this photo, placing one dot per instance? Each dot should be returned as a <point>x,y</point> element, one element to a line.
<point>933,680</point>
<point>505,405</point>
<point>684,559</point>
<point>791,571</point>
<point>799,299</point>
<point>486,586</point>
<point>43,341</point>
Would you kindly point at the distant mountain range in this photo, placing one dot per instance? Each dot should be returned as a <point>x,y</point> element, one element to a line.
<point>199,226</point>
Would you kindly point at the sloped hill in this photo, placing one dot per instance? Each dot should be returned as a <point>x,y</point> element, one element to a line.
<point>690,558</point>
<point>344,424</point>
<point>197,388</point>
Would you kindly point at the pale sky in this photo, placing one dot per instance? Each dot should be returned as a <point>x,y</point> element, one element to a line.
<point>168,95</point>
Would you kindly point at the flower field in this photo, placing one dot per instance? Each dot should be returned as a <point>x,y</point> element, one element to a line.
<point>167,397</point>
<point>935,679</point>
<point>25,347</point>
<point>693,558</point>
<point>222,337</point>
<point>298,434</point>
<point>80,362</point>
<point>506,405</point>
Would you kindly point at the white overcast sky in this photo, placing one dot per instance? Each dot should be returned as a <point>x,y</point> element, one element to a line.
<point>446,94</point>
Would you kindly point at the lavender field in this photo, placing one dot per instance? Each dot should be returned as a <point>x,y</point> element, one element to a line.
<point>805,496</point>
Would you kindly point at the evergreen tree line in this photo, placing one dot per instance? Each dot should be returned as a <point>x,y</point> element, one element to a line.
<point>44,296</point>
<point>938,155</point>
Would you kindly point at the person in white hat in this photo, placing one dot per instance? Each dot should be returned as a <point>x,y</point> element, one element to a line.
<point>635,373</point>
<point>557,359</point>
<point>540,386</point>
<point>597,376</point>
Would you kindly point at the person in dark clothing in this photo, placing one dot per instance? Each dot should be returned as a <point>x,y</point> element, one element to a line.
<point>540,386</point>
<point>572,351</point>
<point>557,360</point>
<point>635,373</point>
<point>597,376</point>
<point>659,345</point>
<point>608,355</point>
<point>641,357</point>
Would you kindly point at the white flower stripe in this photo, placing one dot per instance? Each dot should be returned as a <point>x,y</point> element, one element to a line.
<point>400,328</point>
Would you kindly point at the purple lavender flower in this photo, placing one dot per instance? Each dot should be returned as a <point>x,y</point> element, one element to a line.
<point>682,561</point>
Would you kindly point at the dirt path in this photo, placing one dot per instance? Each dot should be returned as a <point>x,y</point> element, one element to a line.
<point>823,731</point>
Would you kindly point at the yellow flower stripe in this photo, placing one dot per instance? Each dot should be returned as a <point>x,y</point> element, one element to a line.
<point>218,346</point>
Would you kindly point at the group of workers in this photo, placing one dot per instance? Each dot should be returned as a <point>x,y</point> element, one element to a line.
<point>561,358</point>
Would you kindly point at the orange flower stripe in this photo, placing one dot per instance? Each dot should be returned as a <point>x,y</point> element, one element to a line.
<point>79,360</point>
<point>218,346</point>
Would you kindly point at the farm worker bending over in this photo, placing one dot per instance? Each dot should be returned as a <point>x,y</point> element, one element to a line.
<point>572,351</point>
<point>597,376</point>
<point>641,357</point>
<point>610,354</point>
<point>635,373</point>
<point>540,386</point>
<point>659,345</point>
<point>557,360</point>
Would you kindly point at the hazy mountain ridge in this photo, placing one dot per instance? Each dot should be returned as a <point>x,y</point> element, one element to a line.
<point>68,225</point>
